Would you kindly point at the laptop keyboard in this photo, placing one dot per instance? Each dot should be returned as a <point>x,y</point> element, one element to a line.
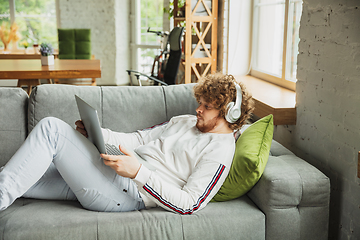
<point>112,150</point>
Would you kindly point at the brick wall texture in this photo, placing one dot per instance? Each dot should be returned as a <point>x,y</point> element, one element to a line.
<point>327,133</point>
<point>110,33</point>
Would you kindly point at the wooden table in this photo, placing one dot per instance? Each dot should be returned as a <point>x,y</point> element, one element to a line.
<point>29,72</point>
<point>20,54</point>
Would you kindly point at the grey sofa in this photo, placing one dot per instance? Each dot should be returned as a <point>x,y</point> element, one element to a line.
<point>291,200</point>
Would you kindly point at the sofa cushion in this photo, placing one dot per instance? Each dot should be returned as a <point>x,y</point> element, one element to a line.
<point>58,101</point>
<point>180,100</point>
<point>250,158</point>
<point>13,112</point>
<point>131,108</point>
<point>236,219</point>
<point>158,104</point>
<point>120,109</point>
<point>45,219</point>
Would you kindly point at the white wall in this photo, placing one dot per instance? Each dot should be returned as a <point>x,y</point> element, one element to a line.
<point>110,33</point>
<point>327,133</point>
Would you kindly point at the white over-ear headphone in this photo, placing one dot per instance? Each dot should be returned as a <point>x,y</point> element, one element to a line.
<point>234,108</point>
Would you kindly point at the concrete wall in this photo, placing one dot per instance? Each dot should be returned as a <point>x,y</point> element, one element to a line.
<point>327,133</point>
<point>110,33</point>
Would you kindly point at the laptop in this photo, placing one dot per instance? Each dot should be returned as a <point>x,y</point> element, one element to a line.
<point>90,118</point>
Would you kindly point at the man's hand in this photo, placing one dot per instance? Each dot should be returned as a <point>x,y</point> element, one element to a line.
<point>81,128</point>
<point>125,165</point>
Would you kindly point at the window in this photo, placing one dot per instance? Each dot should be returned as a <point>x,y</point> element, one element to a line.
<point>36,19</point>
<point>145,45</point>
<point>275,40</point>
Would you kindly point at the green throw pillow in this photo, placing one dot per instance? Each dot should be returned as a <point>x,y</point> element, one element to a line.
<point>250,158</point>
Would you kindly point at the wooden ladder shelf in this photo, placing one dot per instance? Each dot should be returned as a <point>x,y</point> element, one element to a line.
<point>200,39</point>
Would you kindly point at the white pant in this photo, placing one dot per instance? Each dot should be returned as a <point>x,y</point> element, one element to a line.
<point>57,162</point>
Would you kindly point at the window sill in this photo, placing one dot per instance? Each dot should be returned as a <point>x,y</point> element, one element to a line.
<point>271,99</point>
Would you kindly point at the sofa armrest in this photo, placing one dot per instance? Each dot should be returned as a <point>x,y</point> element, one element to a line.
<point>294,196</point>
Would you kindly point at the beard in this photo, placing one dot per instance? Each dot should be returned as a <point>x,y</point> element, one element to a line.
<point>205,127</point>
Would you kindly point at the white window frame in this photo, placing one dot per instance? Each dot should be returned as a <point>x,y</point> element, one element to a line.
<point>282,81</point>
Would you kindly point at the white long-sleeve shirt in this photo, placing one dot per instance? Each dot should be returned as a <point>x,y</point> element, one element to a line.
<point>190,165</point>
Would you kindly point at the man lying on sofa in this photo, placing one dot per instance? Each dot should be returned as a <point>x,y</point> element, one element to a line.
<point>191,156</point>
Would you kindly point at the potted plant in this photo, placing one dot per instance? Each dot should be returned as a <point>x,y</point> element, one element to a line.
<point>180,7</point>
<point>47,54</point>
<point>25,44</point>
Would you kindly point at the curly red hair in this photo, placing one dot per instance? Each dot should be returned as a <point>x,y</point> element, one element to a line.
<point>219,90</point>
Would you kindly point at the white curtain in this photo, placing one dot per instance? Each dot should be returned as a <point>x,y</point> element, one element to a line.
<point>239,49</point>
